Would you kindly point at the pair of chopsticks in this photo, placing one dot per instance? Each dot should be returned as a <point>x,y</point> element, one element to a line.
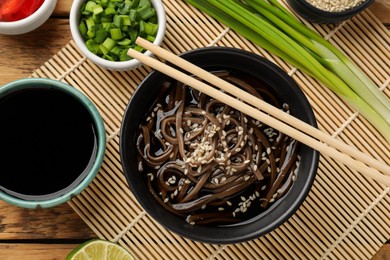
<point>257,109</point>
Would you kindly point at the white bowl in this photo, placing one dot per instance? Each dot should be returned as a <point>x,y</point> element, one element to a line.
<point>31,22</point>
<point>74,19</point>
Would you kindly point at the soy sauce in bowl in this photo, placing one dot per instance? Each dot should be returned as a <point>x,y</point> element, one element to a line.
<point>52,142</point>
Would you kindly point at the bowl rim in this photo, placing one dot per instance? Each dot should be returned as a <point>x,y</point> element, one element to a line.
<point>41,11</point>
<point>100,134</point>
<point>74,17</point>
<point>187,230</point>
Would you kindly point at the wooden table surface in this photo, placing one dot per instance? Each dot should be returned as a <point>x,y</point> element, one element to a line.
<point>53,233</point>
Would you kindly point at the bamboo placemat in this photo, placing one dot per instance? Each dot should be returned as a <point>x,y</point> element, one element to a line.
<point>345,216</point>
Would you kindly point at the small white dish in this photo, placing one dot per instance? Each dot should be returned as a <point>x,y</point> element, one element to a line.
<point>74,19</point>
<point>31,22</point>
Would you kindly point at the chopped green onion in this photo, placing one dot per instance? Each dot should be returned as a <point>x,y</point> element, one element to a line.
<point>133,15</point>
<point>134,3</point>
<point>116,33</point>
<point>105,19</point>
<point>83,28</point>
<point>133,36</point>
<point>104,3</point>
<point>151,29</point>
<point>117,21</point>
<point>101,35</point>
<point>141,27</point>
<point>109,44</point>
<point>110,27</point>
<point>89,6</point>
<point>92,46</point>
<point>125,42</point>
<point>110,10</point>
<point>97,9</point>
<point>103,49</point>
<point>123,56</point>
<point>90,34</point>
<point>110,57</point>
<point>145,12</point>
<point>125,9</point>
<point>143,3</point>
<point>125,20</point>
<point>150,38</point>
<point>138,48</point>
<point>116,50</point>
<point>90,23</point>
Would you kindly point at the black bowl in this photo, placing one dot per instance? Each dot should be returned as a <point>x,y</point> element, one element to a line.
<point>316,15</point>
<point>215,58</point>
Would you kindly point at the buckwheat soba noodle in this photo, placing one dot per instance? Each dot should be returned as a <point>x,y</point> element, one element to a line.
<point>212,164</point>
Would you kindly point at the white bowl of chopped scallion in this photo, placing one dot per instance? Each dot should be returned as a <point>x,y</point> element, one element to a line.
<point>104,30</point>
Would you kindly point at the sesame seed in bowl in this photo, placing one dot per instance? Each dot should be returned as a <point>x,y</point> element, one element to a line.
<point>335,5</point>
<point>328,11</point>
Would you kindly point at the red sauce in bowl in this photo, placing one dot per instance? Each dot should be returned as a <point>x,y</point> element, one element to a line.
<point>14,10</point>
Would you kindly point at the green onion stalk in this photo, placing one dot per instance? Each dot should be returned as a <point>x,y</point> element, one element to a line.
<point>272,27</point>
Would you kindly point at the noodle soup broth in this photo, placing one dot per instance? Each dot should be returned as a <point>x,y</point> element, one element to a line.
<point>209,163</point>
<point>207,171</point>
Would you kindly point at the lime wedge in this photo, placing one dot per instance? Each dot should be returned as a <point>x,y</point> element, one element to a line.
<point>98,249</point>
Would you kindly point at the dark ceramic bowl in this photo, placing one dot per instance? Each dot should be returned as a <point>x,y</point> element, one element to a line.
<point>316,15</point>
<point>235,60</point>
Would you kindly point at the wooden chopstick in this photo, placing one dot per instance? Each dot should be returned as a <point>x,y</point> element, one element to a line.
<point>264,106</point>
<point>324,147</point>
